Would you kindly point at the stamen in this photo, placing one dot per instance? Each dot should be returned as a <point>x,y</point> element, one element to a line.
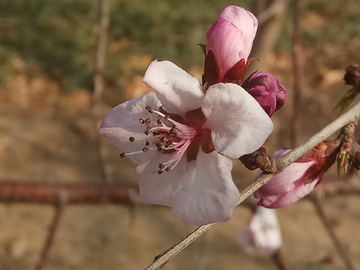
<point>172,131</point>
<point>162,110</point>
<point>145,149</point>
<point>158,146</point>
<point>161,166</point>
<point>147,130</point>
<point>171,136</point>
<point>181,149</point>
<point>148,107</point>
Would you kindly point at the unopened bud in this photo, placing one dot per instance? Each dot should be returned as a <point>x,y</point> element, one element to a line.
<point>352,75</point>
<point>267,90</point>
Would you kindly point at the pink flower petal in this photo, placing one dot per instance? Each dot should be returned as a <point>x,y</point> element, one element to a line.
<point>122,122</point>
<point>231,37</point>
<point>238,124</point>
<point>284,199</point>
<point>207,193</point>
<point>230,50</point>
<point>285,181</point>
<point>244,20</point>
<point>177,90</point>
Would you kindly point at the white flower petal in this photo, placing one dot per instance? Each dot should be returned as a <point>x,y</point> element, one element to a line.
<point>122,122</point>
<point>238,124</point>
<point>177,90</point>
<point>159,188</point>
<point>263,232</point>
<point>207,193</point>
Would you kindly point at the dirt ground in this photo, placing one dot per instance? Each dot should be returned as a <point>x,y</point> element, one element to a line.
<point>48,137</point>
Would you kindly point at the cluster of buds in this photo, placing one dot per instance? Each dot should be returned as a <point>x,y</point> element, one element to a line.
<point>351,77</point>
<point>299,178</point>
<point>230,40</point>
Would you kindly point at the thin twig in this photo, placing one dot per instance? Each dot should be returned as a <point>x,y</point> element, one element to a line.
<point>279,261</point>
<point>329,229</point>
<point>50,237</point>
<point>168,254</point>
<point>105,169</point>
<point>274,9</point>
<point>351,115</point>
<point>270,14</point>
<point>297,71</point>
<point>202,255</point>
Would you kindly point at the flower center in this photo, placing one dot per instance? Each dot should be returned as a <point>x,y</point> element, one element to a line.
<point>174,136</point>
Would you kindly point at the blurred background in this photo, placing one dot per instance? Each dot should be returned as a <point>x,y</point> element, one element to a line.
<point>47,134</point>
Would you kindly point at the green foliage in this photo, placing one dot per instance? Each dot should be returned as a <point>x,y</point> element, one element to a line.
<point>60,36</point>
<point>57,39</point>
<point>57,35</point>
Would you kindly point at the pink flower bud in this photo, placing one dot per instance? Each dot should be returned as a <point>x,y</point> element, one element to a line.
<point>298,179</point>
<point>230,39</point>
<point>267,90</point>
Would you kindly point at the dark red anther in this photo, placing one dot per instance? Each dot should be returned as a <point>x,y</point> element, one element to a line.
<point>148,107</point>
<point>161,166</point>
<point>147,130</point>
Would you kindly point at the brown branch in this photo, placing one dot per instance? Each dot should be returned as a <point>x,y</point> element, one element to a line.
<point>105,169</point>
<point>270,14</point>
<point>123,194</point>
<point>338,187</point>
<point>11,192</point>
<point>279,261</point>
<point>329,229</point>
<point>50,236</point>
